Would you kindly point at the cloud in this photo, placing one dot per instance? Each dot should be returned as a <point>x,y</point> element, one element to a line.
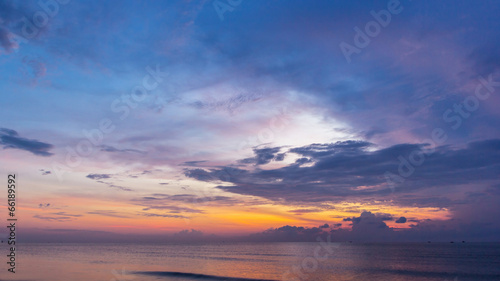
<point>186,232</point>
<point>317,150</point>
<point>193,236</point>
<point>108,213</point>
<point>215,174</point>
<point>264,156</point>
<point>193,163</point>
<point>59,217</point>
<point>44,172</point>
<point>5,40</point>
<point>304,211</point>
<point>108,148</point>
<point>115,186</point>
<point>165,216</point>
<point>368,222</point>
<point>189,199</point>
<point>98,176</point>
<point>350,171</point>
<point>378,216</point>
<point>176,206</point>
<point>11,139</point>
<point>230,104</point>
<point>289,233</point>
<point>401,220</point>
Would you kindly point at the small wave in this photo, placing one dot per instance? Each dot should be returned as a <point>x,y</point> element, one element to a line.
<point>196,276</point>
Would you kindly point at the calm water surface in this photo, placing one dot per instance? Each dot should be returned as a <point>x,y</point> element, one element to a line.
<point>256,261</point>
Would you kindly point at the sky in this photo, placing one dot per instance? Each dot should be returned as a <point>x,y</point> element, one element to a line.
<point>257,120</point>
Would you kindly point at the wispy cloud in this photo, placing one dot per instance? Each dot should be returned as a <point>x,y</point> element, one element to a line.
<point>108,213</point>
<point>59,217</point>
<point>11,139</point>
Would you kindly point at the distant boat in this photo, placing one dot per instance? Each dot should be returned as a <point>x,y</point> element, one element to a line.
<point>452,242</point>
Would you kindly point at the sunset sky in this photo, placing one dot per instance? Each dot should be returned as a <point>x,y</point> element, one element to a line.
<point>237,117</point>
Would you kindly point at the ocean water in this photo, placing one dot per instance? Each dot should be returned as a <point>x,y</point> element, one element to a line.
<point>256,261</point>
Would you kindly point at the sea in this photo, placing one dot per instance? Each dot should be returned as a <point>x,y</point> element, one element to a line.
<point>255,261</point>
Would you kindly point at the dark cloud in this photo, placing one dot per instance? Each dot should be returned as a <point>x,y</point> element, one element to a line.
<point>115,186</point>
<point>385,217</point>
<point>280,157</point>
<point>5,40</point>
<point>108,148</point>
<point>378,216</point>
<point>11,139</point>
<point>98,176</point>
<point>165,216</point>
<point>197,200</point>
<point>189,233</point>
<point>348,170</point>
<point>59,217</point>
<point>401,220</point>
<point>264,156</point>
<point>230,104</point>
<point>368,221</point>
<point>302,161</point>
<point>44,172</point>
<point>215,174</point>
<point>289,233</point>
<point>317,150</point>
<point>193,163</point>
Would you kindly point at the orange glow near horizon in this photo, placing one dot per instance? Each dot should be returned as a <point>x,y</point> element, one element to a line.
<point>126,217</point>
